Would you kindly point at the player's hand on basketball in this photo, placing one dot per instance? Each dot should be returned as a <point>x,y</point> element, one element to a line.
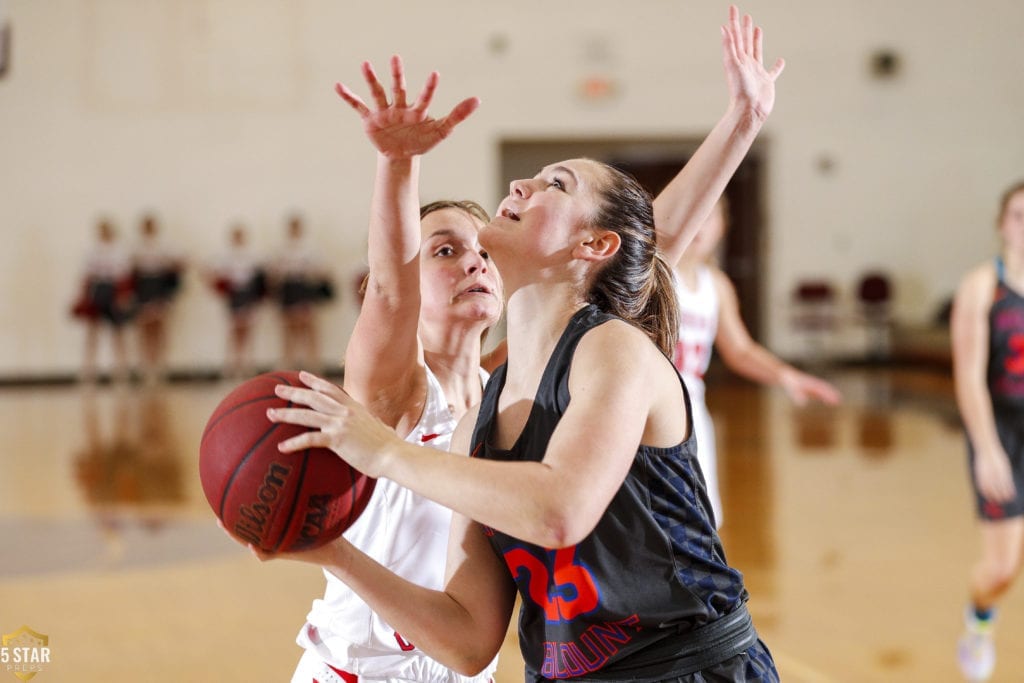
<point>399,130</point>
<point>750,85</point>
<point>336,421</point>
<point>994,476</point>
<point>324,555</point>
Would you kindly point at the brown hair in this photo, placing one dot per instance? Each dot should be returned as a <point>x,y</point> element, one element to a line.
<point>636,284</point>
<point>470,207</point>
<point>1005,200</point>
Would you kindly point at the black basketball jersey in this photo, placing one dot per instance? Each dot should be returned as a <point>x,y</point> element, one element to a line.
<point>621,604</point>
<point>1006,346</point>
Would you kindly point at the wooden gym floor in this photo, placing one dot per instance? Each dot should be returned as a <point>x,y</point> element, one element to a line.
<point>853,527</point>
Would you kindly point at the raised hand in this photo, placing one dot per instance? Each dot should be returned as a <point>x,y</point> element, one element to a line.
<point>750,84</point>
<point>336,421</point>
<point>396,129</point>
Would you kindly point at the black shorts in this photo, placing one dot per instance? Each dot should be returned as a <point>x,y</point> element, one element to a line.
<point>156,287</point>
<point>293,293</point>
<point>1010,428</point>
<point>104,299</point>
<point>756,664</point>
<point>753,665</point>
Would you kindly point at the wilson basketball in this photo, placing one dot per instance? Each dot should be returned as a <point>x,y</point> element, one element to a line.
<point>276,501</point>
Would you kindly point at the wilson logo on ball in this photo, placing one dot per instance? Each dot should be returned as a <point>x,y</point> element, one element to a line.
<point>275,501</point>
<point>252,525</point>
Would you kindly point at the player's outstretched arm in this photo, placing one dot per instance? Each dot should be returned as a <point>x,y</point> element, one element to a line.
<point>383,356</point>
<point>746,357</point>
<point>681,208</point>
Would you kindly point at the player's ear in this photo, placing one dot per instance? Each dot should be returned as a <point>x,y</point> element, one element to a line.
<point>598,245</point>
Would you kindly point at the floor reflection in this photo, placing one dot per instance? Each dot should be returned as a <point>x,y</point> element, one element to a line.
<point>852,526</point>
<point>130,465</point>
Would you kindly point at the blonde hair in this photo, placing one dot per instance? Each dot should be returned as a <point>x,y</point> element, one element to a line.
<point>469,206</point>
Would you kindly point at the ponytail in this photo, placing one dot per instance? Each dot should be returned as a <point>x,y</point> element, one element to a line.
<point>637,284</point>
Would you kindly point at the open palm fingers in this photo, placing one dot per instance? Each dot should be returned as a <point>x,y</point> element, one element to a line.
<point>380,97</point>
<point>427,94</point>
<point>744,42</point>
<point>457,115</point>
<point>398,81</point>
<point>353,100</point>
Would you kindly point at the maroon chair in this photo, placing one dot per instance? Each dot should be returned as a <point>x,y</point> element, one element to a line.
<point>874,299</point>
<point>815,315</point>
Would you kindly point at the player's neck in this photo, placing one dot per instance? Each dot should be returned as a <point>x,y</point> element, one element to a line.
<point>687,271</point>
<point>457,351</point>
<point>459,376</point>
<point>536,317</point>
<point>1013,268</point>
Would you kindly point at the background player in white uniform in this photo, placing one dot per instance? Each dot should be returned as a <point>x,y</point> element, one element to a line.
<point>709,316</point>
<point>157,272</point>
<point>105,299</point>
<point>299,281</point>
<point>238,275</point>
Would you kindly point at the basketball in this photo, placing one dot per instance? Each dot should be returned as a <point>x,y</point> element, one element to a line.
<point>276,501</point>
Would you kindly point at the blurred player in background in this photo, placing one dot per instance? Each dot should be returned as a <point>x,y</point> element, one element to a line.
<point>157,274</point>
<point>300,282</point>
<point>987,329</point>
<point>238,275</point>
<point>709,315</point>
<point>105,300</point>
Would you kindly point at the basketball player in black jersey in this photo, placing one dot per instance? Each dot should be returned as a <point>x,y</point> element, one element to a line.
<point>585,494</point>
<point>988,367</point>
<point>585,489</point>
